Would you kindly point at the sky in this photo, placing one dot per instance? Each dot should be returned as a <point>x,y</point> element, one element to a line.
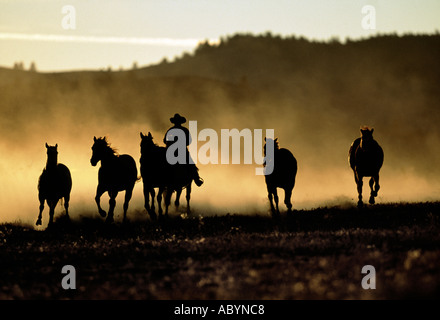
<point>61,35</point>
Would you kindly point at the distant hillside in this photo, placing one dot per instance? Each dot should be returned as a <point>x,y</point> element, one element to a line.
<point>273,61</point>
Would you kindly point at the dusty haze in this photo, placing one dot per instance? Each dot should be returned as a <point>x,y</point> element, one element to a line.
<point>314,95</point>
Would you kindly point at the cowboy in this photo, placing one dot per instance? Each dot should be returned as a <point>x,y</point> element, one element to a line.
<point>170,138</point>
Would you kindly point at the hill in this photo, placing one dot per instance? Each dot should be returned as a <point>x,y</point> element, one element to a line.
<point>271,61</point>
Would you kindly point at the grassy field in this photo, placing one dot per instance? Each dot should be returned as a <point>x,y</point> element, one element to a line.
<point>315,254</point>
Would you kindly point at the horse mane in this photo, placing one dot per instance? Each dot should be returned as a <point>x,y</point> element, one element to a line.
<point>152,139</point>
<point>276,144</point>
<point>154,143</point>
<point>108,145</point>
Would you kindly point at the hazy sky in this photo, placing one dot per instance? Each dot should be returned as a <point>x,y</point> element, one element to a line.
<point>118,32</point>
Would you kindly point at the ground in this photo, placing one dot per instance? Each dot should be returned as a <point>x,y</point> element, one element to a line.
<point>314,254</point>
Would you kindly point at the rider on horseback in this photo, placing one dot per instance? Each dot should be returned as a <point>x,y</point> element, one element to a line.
<point>171,137</point>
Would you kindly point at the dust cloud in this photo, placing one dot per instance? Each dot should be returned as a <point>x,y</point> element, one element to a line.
<point>315,108</point>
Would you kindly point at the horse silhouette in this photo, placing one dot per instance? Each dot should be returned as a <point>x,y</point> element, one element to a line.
<point>366,158</point>
<point>117,173</point>
<point>156,172</point>
<point>55,183</point>
<point>152,172</point>
<point>283,175</point>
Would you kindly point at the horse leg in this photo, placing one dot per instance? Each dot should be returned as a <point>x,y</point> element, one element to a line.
<point>359,184</point>
<point>66,204</point>
<point>152,208</point>
<point>374,181</point>
<point>99,192</point>
<point>128,194</point>
<point>168,195</point>
<point>52,205</point>
<point>38,223</point>
<point>147,192</point>
<point>270,196</point>
<point>377,186</point>
<point>371,183</point>
<point>177,201</point>
<point>273,195</point>
<point>287,202</point>
<point>188,197</point>
<point>112,205</point>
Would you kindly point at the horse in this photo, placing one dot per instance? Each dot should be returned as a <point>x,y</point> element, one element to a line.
<point>366,158</point>
<point>283,176</point>
<point>55,183</point>
<point>156,172</point>
<point>152,171</point>
<point>117,173</point>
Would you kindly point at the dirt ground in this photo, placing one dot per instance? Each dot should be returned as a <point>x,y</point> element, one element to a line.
<point>315,254</point>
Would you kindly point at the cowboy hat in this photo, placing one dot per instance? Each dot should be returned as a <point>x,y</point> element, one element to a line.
<point>178,119</point>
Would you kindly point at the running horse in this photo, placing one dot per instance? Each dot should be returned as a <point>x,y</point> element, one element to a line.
<point>366,158</point>
<point>283,174</point>
<point>55,183</point>
<point>117,173</point>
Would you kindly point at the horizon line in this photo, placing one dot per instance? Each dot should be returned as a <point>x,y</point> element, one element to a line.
<point>182,42</point>
<point>169,42</point>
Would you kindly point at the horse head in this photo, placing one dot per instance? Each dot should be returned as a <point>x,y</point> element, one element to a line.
<point>366,137</point>
<point>272,142</point>
<point>52,154</point>
<point>146,143</point>
<point>100,150</point>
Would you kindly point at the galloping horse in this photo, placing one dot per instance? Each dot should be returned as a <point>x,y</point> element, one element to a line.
<point>156,172</point>
<point>152,172</point>
<point>366,158</point>
<point>283,175</point>
<point>54,184</point>
<point>117,173</point>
